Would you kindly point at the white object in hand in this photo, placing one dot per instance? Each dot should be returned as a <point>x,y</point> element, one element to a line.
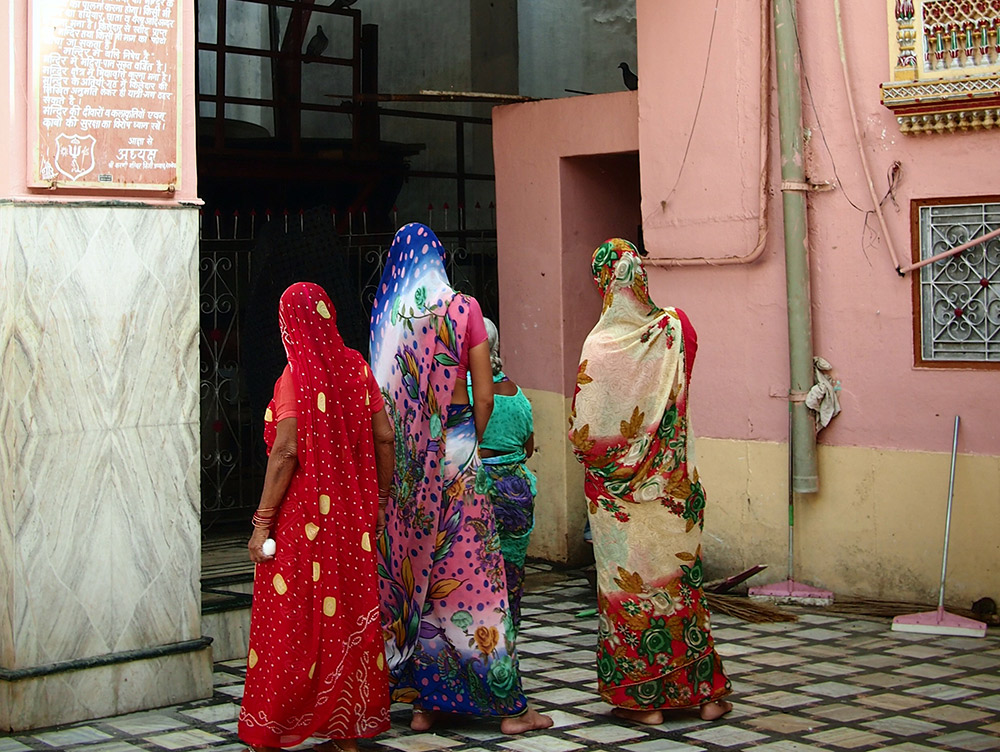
<point>269,547</point>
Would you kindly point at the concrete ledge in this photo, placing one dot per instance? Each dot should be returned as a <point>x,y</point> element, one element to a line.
<point>227,622</point>
<point>84,692</point>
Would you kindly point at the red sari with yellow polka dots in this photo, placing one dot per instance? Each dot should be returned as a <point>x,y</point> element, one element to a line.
<point>316,666</point>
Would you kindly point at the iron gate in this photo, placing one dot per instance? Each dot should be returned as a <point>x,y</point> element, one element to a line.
<point>232,456</point>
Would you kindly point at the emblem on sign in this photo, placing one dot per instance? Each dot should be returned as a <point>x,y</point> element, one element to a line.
<point>74,155</point>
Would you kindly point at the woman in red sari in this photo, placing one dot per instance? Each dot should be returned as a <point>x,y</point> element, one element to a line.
<point>316,666</point>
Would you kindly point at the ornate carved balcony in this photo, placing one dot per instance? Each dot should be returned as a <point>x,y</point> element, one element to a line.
<point>946,73</point>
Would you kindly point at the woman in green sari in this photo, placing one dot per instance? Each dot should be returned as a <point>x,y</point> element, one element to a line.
<point>507,443</point>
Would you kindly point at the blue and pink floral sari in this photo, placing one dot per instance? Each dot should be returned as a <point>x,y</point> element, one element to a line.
<point>631,429</point>
<point>449,635</point>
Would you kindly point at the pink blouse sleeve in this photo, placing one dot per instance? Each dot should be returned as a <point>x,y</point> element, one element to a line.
<point>475,332</point>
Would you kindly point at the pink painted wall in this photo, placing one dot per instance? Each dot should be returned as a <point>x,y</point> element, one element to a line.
<point>13,119</point>
<point>862,308</point>
<point>699,184</point>
<point>600,198</point>
<point>554,200</point>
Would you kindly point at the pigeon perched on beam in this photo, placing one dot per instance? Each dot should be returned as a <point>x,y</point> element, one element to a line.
<point>631,80</point>
<point>317,44</point>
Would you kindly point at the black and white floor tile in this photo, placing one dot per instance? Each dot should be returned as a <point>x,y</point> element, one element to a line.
<point>825,682</point>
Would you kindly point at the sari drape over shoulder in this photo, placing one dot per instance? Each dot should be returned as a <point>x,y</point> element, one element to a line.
<point>449,636</point>
<point>630,429</point>
<point>316,665</point>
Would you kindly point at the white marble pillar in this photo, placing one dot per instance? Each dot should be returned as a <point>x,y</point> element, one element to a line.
<point>99,462</point>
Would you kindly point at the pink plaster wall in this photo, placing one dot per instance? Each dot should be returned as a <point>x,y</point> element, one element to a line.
<point>13,120</point>
<point>699,144</point>
<point>600,199</point>
<point>862,309</point>
<point>549,207</point>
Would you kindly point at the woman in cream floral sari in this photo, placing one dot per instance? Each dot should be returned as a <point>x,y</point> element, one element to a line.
<point>630,430</point>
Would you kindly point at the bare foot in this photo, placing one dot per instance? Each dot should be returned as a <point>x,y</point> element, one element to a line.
<point>714,710</point>
<point>337,745</point>
<point>532,720</point>
<point>647,717</point>
<point>423,720</point>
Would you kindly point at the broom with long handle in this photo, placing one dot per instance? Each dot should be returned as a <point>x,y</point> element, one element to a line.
<point>940,621</point>
<point>790,591</point>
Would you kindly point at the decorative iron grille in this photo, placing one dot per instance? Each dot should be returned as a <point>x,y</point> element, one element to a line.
<point>959,297</point>
<point>232,462</point>
<point>228,477</point>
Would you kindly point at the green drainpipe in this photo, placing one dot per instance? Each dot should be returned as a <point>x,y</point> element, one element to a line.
<point>793,193</point>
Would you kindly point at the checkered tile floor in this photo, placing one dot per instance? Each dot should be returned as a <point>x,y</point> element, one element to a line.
<point>826,682</point>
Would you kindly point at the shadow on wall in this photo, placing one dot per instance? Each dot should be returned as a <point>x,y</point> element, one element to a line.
<point>600,200</point>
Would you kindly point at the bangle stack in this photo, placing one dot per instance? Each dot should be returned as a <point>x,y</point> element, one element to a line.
<point>263,518</point>
<point>383,498</point>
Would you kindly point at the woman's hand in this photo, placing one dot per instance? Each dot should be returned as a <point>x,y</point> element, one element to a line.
<point>380,521</point>
<point>256,545</point>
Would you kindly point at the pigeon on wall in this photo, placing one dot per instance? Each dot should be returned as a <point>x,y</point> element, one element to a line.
<point>317,44</point>
<point>631,80</point>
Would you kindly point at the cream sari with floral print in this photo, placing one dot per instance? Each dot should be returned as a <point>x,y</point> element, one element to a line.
<point>630,429</point>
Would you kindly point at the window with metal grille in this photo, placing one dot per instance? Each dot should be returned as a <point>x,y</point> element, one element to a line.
<point>957,299</point>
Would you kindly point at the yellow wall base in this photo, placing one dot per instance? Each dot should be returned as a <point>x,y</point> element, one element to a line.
<point>560,507</point>
<point>874,530</point>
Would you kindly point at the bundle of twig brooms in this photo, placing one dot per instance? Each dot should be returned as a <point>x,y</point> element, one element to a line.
<point>740,607</point>
<point>720,601</point>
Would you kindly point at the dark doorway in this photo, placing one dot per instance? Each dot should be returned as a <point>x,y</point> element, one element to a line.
<point>299,183</point>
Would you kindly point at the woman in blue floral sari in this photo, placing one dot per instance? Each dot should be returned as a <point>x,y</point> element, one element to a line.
<point>449,632</point>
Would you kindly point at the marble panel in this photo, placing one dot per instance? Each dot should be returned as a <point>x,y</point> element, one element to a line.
<point>102,314</point>
<point>106,544</point>
<point>99,540</point>
<point>10,383</point>
<point>105,690</point>
<point>7,470</point>
<point>99,454</point>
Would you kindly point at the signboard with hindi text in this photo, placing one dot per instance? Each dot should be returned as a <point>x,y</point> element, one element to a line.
<point>106,102</point>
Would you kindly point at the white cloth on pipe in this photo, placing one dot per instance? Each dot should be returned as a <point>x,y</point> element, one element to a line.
<point>822,398</point>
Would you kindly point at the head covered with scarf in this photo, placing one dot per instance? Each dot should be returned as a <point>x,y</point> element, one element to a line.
<point>329,376</point>
<point>308,673</point>
<point>417,331</point>
<point>630,406</point>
